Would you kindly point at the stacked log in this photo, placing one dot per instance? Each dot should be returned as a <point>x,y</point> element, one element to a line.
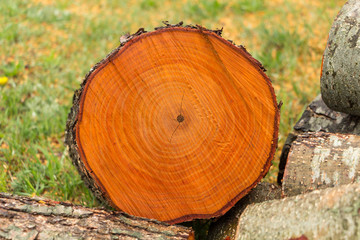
<point>318,117</point>
<point>321,160</point>
<point>340,85</point>
<point>226,226</point>
<point>332,213</point>
<point>37,218</point>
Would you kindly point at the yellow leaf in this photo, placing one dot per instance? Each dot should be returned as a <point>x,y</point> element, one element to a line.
<point>3,80</point>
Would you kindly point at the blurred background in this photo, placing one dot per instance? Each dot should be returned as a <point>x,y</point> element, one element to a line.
<point>47,47</point>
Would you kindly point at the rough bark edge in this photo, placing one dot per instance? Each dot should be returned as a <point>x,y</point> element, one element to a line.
<point>116,224</point>
<point>75,151</point>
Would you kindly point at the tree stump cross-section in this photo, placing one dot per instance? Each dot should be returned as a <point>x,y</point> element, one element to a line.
<point>173,125</point>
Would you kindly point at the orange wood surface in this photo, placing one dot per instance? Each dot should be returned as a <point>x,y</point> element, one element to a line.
<point>154,163</point>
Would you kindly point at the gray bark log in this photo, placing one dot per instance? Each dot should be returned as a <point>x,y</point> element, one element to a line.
<point>226,225</point>
<point>318,118</point>
<point>331,213</point>
<point>340,77</point>
<point>31,218</point>
<point>321,160</point>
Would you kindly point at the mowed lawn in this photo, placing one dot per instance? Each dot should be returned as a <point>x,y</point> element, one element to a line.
<point>47,47</point>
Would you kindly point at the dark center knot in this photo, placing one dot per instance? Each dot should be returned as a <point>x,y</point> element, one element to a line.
<point>180,118</point>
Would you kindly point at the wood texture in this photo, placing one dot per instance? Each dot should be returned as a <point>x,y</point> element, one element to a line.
<point>35,218</point>
<point>175,124</point>
<point>321,160</point>
<point>340,85</point>
<point>331,213</point>
<point>318,118</point>
<point>225,227</point>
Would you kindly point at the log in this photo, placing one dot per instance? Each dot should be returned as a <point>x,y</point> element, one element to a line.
<point>225,227</point>
<point>173,125</point>
<point>331,213</point>
<point>37,218</point>
<point>340,85</point>
<point>318,118</point>
<point>321,160</point>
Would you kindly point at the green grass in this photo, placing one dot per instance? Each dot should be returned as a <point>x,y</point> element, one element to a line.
<point>47,47</point>
<point>246,6</point>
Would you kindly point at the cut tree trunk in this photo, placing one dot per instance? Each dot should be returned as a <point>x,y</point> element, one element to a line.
<point>340,85</point>
<point>225,227</point>
<point>321,160</point>
<point>318,118</point>
<point>173,125</point>
<point>34,218</point>
<point>331,213</point>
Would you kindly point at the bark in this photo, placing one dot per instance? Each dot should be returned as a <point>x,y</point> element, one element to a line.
<point>35,218</point>
<point>154,130</point>
<point>226,225</point>
<point>321,160</point>
<point>318,118</point>
<point>331,213</point>
<point>340,85</point>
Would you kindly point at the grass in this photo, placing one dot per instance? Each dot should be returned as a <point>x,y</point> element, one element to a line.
<point>47,47</point>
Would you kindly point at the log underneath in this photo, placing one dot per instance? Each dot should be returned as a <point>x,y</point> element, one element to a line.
<point>226,225</point>
<point>173,125</point>
<point>33,218</point>
<point>318,118</point>
<point>321,160</point>
<point>331,213</point>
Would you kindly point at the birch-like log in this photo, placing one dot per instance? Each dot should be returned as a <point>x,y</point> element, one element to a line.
<point>318,118</point>
<point>226,225</point>
<point>340,85</point>
<point>332,213</point>
<point>321,160</point>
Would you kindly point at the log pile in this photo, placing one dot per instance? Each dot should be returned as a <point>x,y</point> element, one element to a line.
<point>319,171</point>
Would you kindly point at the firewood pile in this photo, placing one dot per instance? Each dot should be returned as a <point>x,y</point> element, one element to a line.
<point>319,170</point>
<point>317,195</point>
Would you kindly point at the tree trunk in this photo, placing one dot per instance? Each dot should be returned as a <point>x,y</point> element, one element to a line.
<point>331,213</point>
<point>321,160</point>
<point>318,118</point>
<point>33,218</point>
<point>225,226</point>
<point>340,85</point>
<point>173,125</point>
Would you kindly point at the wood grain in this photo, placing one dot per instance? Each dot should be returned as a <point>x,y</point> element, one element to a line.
<point>124,127</point>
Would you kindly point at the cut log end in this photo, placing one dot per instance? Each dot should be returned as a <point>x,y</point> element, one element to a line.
<point>175,124</point>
